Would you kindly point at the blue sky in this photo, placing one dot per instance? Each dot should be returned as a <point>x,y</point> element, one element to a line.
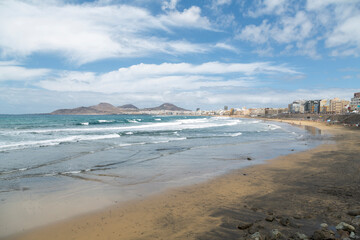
<point>256,53</point>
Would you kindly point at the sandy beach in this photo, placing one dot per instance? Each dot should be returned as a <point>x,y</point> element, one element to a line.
<point>292,193</point>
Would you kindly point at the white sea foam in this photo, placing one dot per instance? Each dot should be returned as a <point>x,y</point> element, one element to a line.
<point>71,172</point>
<point>85,123</point>
<point>49,174</point>
<point>131,144</point>
<point>198,123</point>
<point>56,141</point>
<point>170,140</point>
<point>105,121</point>
<point>157,119</point>
<point>132,120</point>
<point>236,134</point>
<point>273,126</point>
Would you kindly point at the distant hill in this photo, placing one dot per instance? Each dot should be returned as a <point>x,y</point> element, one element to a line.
<point>101,108</point>
<point>107,109</point>
<point>76,111</point>
<point>167,107</point>
<point>128,107</point>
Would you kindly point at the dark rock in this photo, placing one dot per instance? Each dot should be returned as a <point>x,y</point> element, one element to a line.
<point>284,221</point>
<point>323,234</point>
<point>352,235</point>
<point>354,212</point>
<point>243,226</point>
<point>251,230</point>
<point>287,222</point>
<point>249,158</point>
<point>299,236</point>
<point>356,221</point>
<point>256,236</point>
<point>343,234</point>
<point>269,218</point>
<point>275,234</point>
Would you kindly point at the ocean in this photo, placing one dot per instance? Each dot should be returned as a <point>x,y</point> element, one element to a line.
<point>54,167</point>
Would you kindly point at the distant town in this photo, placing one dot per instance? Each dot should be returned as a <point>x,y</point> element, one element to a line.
<point>323,106</point>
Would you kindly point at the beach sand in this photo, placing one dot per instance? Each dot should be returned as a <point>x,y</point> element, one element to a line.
<point>297,192</point>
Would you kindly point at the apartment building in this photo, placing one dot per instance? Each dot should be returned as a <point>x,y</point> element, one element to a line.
<point>325,106</point>
<point>338,106</point>
<point>312,106</point>
<point>297,106</point>
<point>355,102</point>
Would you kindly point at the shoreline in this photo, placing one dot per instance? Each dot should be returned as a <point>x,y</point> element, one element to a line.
<point>214,209</point>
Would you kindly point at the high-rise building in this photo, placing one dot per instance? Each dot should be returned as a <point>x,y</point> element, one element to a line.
<point>355,102</point>
<point>324,106</point>
<point>297,106</point>
<point>312,106</point>
<point>338,106</point>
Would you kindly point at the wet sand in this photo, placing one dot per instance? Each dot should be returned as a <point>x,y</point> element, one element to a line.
<point>308,188</point>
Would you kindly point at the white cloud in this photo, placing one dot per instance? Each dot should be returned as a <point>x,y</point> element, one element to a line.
<point>89,32</point>
<point>170,4</point>
<point>226,46</point>
<point>268,97</point>
<point>188,18</point>
<point>340,19</point>
<point>329,23</point>
<point>256,34</point>
<point>268,7</point>
<point>308,49</point>
<point>320,4</point>
<point>153,78</point>
<point>288,29</point>
<point>12,71</point>
<point>221,2</point>
<point>295,28</point>
<point>346,36</point>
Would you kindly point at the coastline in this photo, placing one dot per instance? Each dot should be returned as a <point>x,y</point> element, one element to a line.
<point>294,186</point>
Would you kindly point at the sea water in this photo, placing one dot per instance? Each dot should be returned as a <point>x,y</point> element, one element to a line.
<point>55,167</point>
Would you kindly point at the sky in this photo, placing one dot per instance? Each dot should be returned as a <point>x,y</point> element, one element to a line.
<point>196,54</point>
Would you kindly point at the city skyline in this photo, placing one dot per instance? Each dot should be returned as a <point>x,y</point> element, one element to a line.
<point>207,54</point>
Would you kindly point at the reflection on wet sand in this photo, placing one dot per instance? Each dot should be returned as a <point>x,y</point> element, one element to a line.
<point>313,130</point>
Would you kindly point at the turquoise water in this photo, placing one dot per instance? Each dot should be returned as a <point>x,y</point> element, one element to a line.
<point>55,167</point>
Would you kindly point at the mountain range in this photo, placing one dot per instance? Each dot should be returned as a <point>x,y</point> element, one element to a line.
<point>108,109</point>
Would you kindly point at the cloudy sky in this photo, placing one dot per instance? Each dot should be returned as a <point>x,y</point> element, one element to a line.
<point>205,53</point>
